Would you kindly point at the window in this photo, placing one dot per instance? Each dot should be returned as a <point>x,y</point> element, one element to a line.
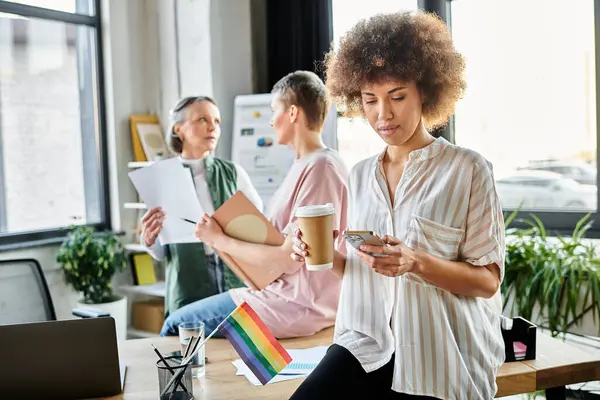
<point>530,105</point>
<point>52,142</point>
<point>85,7</point>
<point>356,138</point>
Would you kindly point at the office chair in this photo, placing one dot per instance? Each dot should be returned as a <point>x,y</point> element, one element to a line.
<point>24,294</point>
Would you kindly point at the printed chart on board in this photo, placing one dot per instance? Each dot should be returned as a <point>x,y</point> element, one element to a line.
<point>255,145</point>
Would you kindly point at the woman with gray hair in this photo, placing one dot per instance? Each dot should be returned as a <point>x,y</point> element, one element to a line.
<point>299,302</point>
<point>193,269</point>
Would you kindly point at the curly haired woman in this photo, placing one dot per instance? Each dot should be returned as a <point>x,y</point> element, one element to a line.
<point>423,321</point>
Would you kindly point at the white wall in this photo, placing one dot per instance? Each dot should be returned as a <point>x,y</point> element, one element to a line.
<point>231,56</point>
<point>129,89</point>
<point>208,51</point>
<point>147,68</point>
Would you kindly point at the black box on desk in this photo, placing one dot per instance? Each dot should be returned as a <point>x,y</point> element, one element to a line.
<point>522,332</point>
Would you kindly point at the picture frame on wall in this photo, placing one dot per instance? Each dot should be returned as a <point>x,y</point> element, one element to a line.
<point>147,138</point>
<point>152,140</point>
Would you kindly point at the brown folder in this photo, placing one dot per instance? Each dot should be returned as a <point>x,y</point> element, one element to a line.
<point>241,220</point>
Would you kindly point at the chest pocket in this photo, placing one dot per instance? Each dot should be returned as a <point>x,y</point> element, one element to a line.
<point>434,238</point>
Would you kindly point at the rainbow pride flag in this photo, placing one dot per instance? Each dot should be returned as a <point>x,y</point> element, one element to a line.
<point>255,344</point>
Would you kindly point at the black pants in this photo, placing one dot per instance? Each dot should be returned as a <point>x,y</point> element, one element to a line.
<point>340,376</point>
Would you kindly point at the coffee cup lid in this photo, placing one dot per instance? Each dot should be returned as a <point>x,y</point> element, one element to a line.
<point>315,211</point>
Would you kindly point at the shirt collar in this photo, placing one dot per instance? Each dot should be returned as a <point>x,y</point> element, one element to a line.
<point>197,165</point>
<point>424,153</point>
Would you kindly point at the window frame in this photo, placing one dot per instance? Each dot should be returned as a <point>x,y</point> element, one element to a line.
<point>556,222</point>
<point>9,241</point>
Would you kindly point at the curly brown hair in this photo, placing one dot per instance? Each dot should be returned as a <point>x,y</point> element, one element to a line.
<point>405,46</point>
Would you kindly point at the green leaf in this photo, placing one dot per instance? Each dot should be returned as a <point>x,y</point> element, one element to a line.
<point>580,228</point>
<point>89,261</point>
<point>549,272</point>
<point>509,219</point>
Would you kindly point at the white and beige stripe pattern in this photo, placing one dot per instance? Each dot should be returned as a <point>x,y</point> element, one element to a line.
<point>446,346</point>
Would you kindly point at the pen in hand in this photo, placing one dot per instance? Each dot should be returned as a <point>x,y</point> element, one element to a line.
<point>189,220</point>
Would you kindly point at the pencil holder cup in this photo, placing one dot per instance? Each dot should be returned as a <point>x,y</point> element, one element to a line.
<point>180,389</point>
<point>519,337</point>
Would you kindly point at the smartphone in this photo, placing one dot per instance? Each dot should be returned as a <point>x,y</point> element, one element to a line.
<point>356,238</point>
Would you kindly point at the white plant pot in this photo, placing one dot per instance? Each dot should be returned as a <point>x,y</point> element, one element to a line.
<point>118,310</point>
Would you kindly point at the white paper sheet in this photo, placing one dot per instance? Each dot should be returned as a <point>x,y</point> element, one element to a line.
<point>122,370</point>
<point>304,361</point>
<point>167,184</point>
<point>243,370</point>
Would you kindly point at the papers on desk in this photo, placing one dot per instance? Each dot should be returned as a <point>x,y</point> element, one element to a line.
<point>520,350</point>
<point>304,361</point>
<point>122,370</point>
<point>169,185</point>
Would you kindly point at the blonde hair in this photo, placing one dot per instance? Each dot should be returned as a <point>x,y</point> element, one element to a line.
<point>306,90</point>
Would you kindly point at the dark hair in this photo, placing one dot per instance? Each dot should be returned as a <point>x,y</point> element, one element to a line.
<point>177,115</point>
<point>306,90</point>
<point>405,46</point>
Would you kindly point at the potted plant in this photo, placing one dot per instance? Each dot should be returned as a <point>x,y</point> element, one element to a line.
<point>89,261</point>
<point>552,281</point>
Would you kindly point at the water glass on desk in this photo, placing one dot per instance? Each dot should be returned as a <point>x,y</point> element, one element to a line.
<point>189,331</point>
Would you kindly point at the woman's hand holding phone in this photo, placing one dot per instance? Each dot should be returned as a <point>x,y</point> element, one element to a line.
<point>397,258</point>
<point>360,238</point>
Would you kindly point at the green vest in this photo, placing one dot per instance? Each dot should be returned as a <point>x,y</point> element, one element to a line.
<point>187,278</point>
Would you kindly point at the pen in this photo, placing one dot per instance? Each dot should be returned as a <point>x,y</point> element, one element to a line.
<point>166,364</point>
<point>189,220</point>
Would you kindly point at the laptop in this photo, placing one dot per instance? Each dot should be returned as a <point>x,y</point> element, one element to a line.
<point>69,359</point>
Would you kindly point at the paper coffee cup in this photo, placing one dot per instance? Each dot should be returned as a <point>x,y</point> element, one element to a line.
<point>316,224</point>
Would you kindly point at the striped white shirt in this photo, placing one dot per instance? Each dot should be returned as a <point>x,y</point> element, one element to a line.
<point>446,346</point>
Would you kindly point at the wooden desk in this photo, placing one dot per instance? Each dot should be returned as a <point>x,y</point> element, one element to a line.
<point>557,364</point>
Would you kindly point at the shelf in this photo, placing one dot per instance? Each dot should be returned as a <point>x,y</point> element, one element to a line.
<point>135,206</point>
<point>139,164</point>
<point>157,289</point>
<point>135,247</point>
<point>140,334</point>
